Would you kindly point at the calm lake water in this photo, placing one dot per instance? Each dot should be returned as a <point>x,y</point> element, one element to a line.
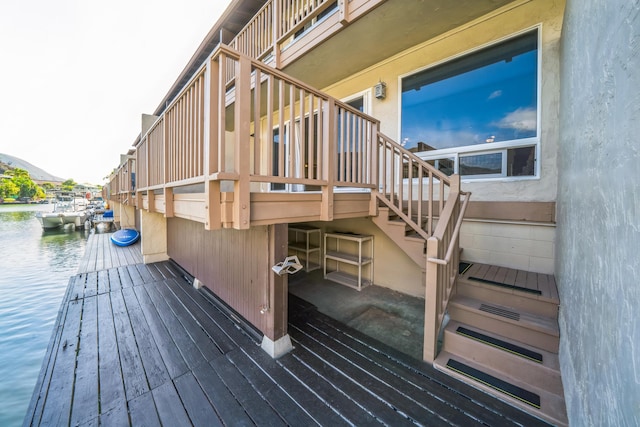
<point>35,268</point>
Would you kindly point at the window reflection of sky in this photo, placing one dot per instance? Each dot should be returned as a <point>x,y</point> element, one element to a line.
<point>497,102</point>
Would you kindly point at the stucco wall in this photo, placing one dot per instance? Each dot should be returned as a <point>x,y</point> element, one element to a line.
<point>504,22</point>
<point>598,241</point>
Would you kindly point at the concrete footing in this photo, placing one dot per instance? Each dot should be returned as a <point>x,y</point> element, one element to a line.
<point>277,348</point>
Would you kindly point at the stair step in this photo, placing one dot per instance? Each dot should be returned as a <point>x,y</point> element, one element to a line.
<point>501,344</point>
<point>542,403</point>
<point>510,322</point>
<point>514,359</point>
<point>510,297</point>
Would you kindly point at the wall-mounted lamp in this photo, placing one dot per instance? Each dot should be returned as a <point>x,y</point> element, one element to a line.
<point>380,90</point>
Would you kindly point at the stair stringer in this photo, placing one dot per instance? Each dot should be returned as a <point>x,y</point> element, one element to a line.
<point>396,230</point>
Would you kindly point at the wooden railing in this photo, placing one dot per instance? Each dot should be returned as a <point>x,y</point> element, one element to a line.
<point>278,21</point>
<point>256,39</point>
<point>121,184</point>
<point>256,127</point>
<point>417,192</point>
<point>398,167</point>
<point>443,258</point>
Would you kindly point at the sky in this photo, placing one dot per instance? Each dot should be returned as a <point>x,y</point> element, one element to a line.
<point>76,75</point>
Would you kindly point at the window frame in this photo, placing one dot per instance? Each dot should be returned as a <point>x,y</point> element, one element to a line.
<point>494,147</point>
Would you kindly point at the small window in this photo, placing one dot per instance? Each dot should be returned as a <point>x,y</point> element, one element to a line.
<point>479,110</point>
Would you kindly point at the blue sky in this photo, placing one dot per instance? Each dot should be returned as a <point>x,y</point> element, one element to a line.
<point>76,75</point>
<point>462,111</point>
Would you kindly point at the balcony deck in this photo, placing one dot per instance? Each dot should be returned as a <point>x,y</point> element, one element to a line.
<point>136,344</point>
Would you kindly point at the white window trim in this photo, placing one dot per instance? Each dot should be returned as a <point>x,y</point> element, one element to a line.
<point>490,147</point>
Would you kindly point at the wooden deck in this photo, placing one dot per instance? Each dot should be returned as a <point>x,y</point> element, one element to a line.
<point>101,254</point>
<point>138,345</point>
<point>544,285</point>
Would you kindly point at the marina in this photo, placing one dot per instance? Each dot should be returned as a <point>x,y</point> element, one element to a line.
<point>137,344</point>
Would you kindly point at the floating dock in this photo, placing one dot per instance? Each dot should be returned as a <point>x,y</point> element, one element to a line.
<point>136,344</point>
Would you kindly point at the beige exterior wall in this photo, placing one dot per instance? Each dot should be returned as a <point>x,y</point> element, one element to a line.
<point>529,247</point>
<point>392,268</point>
<point>523,246</point>
<point>503,23</point>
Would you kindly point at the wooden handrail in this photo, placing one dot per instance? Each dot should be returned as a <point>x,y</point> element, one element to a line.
<point>395,160</point>
<point>456,232</point>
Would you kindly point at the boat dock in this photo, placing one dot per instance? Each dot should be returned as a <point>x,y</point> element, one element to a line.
<point>137,344</point>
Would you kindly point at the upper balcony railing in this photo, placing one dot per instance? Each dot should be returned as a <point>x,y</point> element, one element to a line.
<point>243,122</point>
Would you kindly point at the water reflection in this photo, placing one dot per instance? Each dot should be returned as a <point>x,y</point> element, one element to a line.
<point>36,267</point>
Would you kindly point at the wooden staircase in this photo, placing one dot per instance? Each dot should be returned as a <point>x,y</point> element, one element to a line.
<point>503,337</point>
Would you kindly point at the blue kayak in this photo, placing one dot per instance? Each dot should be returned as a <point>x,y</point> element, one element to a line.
<point>125,237</point>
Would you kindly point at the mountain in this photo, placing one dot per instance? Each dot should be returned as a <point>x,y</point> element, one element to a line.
<point>35,172</point>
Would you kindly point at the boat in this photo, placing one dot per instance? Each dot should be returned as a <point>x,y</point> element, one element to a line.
<point>125,237</point>
<point>65,212</point>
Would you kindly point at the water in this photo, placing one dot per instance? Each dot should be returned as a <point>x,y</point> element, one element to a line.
<point>35,268</point>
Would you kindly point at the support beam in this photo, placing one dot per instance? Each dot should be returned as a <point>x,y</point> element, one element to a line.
<point>153,232</point>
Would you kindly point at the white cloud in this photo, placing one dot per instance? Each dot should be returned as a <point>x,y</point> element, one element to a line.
<point>522,119</point>
<point>495,94</point>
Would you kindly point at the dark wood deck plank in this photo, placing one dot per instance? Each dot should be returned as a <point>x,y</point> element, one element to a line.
<point>195,330</point>
<point>383,412</point>
<point>421,383</point>
<point>333,396</point>
<point>113,276</point>
<point>110,370</point>
<point>136,278</point>
<point>305,397</point>
<point>144,273</point>
<point>226,405</point>
<point>143,412</point>
<point>493,411</point>
<point>286,407</point>
<point>36,405</point>
<point>125,278</point>
<point>154,367</point>
<point>117,416</point>
<point>167,348</point>
<point>198,407</point>
<point>255,406</point>
<point>91,284</point>
<point>389,389</point>
<point>133,372</point>
<point>59,390</point>
<point>103,282</point>
<point>170,409</point>
<point>85,390</point>
<point>203,313</point>
<point>189,350</point>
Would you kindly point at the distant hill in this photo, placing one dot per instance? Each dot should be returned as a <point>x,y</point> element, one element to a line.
<point>36,174</point>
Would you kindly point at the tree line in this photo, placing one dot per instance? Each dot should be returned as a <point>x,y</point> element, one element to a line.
<point>17,184</point>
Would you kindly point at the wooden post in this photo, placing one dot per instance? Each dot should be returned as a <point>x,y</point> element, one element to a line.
<point>242,121</point>
<point>430,346</point>
<point>328,160</point>
<point>276,341</point>
<point>168,202</point>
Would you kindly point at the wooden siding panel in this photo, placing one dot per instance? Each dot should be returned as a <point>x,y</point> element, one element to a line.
<point>234,264</point>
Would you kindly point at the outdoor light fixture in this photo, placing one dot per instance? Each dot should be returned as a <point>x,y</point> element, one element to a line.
<point>380,90</point>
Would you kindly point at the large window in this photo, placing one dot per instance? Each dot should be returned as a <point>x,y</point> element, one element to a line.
<point>477,115</point>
